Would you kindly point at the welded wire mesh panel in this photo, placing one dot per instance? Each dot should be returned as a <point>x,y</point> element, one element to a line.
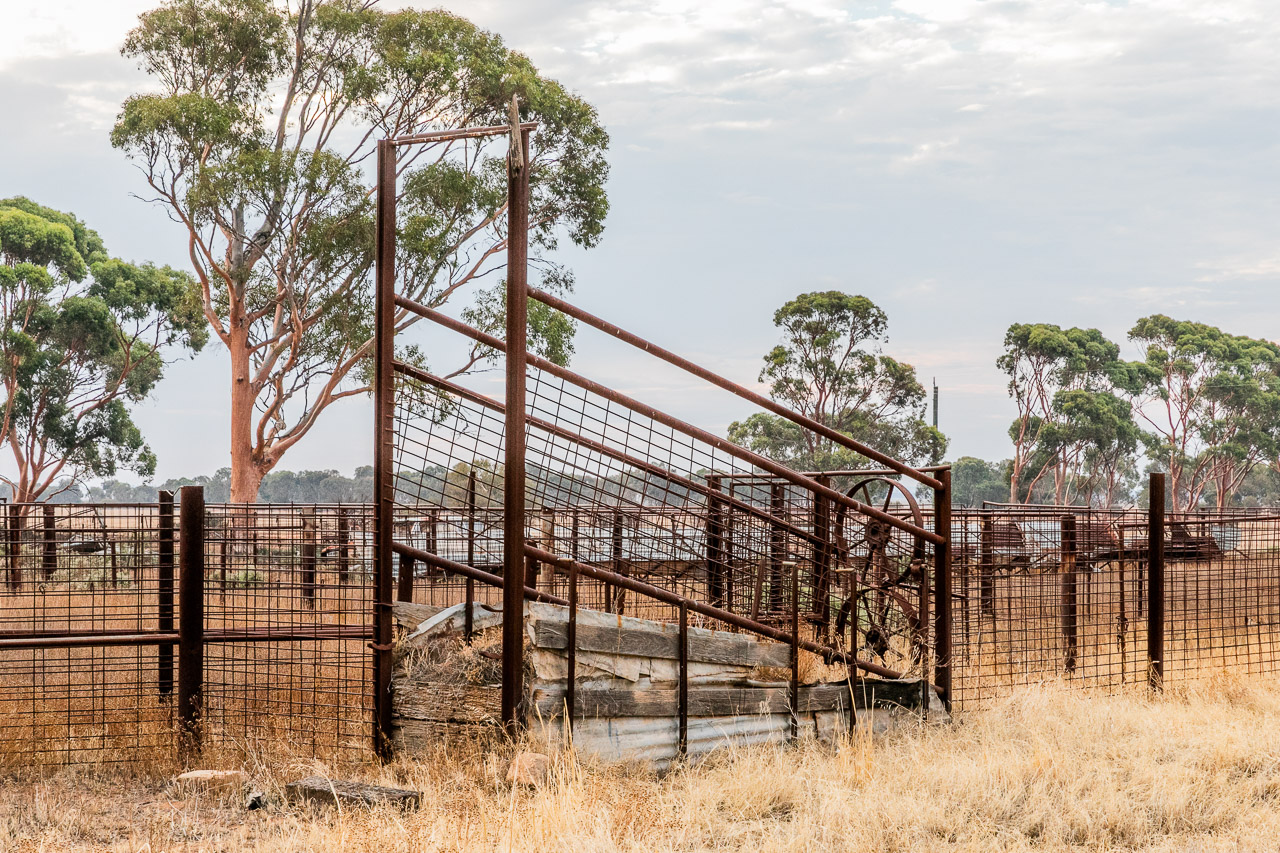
<point>1044,593</point>
<point>1222,594</point>
<point>288,608</point>
<point>613,487</point>
<point>76,575</point>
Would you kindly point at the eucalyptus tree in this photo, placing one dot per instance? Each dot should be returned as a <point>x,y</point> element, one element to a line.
<point>1064,383</point>
<point>1212,403</point>
<point>256,135</point>
<point>82,337</point>
<point>829,368</point>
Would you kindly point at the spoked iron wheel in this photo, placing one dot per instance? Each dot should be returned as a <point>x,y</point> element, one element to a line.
<point>879,578</point>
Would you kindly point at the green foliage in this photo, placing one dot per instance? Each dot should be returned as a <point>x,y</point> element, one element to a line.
<point>1072,428</point>
<point>828,367</point>
<point>975,480</point>
<point>82,338</point>
<point>1212,401</point>
<point>258,136</point>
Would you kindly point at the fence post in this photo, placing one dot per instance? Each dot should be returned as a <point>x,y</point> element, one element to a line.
<point>777,548</point>
<point>942,649</point>
<point>164,591</point>
<point>383,441</point>
<point>191,620</point>
<point>986,571</point>
<point>514,456</point>
<point>794,693</point>
<point>309,539</point>
<point>570,692</point>
<point>344,542</point>
<point>468,623</point>
<point>404,578</point>
<point>49,559</point>
<point>617,593</point>
<point>715,543</point>
<point>682,696</point>
<point>1155,582</point>
<point>821,606</point>
<point>15,548</point>
<point>1070,612</point>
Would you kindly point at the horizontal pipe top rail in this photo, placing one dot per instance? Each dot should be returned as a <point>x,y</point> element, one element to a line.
<point>674,423</point>
<point>692,485</point>
<point>734,388</point>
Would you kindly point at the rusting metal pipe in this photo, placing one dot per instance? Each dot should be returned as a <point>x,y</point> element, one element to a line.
<point>712,612</point>
<point>383,443</point>
<point>661,417</point>
<point>471,572</point>
<point>721,382</point>
<point>714,494</point>
<point>513,520</point>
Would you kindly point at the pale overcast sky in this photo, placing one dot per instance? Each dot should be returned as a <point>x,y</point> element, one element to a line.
<point>964,164</point>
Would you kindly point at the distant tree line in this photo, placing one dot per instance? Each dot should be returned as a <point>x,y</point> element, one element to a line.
<point>1199,403</point>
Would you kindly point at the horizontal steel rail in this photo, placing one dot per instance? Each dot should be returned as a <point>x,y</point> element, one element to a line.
<point>697,433</point>
<point>649,467</point>
<point>734,388</point>
<point>45,640</point>
<point>674,598</point>
<point>471,572</point>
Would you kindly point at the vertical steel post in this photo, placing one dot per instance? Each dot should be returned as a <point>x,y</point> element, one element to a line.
<point>1070,603</point>
<point>383,440</point>
<point>15,548</point>
<point>571,652</point>
<point>49,558</point>
<point>310,540</point>
<point>822,556</point>
<point>344,542</point>
<point>468,618</point>
<point>794,693</point>
<point>164,591</point>
<point>715,543</point>
<point>514,458</point>
<point>777,548</point>
<point>986,571</point>
<point>617,593</point>
<point>1155,582</point>
<point>682,696</point>
<point>943,625</point>
<point>405,567</point>
<point>191,620</point>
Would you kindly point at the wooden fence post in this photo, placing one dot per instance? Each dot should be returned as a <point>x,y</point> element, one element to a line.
<point>191,620</point>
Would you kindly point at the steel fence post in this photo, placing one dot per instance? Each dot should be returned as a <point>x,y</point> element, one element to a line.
<point>942,557</point>
<point>383,440</point>
<point>191,621</point>
<point>513,544</point>
<point>1155,582</point>
<point>1070,601</point>
<point>164,591</point>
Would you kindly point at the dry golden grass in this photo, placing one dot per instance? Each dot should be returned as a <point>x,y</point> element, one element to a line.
<point>1049,768</point>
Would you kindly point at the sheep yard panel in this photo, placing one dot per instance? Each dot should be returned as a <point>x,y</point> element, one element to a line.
<point>91,614</point>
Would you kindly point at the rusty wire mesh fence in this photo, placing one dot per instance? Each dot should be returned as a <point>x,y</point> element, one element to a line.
<point>1065,592</point>
<point>611,487</point>
<point>89,618</point>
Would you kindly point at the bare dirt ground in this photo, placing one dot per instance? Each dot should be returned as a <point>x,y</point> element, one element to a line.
<point>1050,768</point>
